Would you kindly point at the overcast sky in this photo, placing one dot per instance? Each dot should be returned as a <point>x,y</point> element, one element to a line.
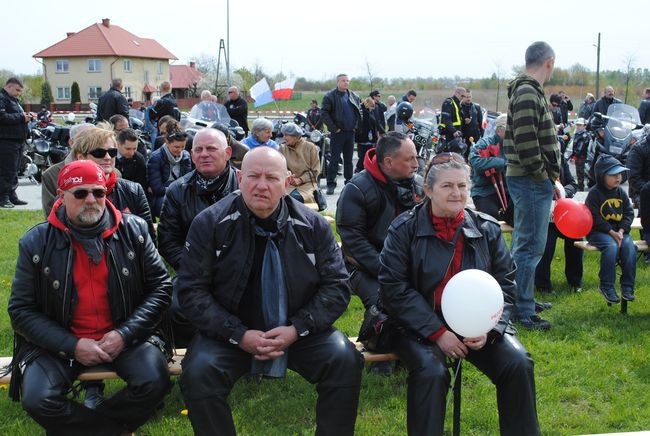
<point>318,39</point>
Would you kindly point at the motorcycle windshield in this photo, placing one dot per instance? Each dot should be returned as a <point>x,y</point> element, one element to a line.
<point>426,114</point>
<point>209,111</point>
<point>622,119</point>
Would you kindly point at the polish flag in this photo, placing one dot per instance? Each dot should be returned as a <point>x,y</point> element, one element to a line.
<point>283,90</point>
<point>261,93</point>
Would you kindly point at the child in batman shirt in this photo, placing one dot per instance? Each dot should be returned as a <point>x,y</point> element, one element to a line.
<point>612,212</point>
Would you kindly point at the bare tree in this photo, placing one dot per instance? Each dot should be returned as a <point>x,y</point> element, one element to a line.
<point>371,74</point>
<point>629,61</point>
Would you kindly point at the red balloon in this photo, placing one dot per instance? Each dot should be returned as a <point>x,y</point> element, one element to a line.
<point>573,219</point>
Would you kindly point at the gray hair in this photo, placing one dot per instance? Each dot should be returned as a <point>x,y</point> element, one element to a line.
<point>78,128</point>
<point>116,83</point>
<point>292,129</point>
<point>261,124</point>
<point>389,145</point>
<point>537,53</point>
<point>432,170</point>
<point>391,98</point>
<point>205,94</point>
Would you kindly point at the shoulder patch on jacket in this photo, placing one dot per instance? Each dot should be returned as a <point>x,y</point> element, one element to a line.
<point>404,217</point>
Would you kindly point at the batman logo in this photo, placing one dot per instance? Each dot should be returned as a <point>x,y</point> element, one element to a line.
<point>611,208</point>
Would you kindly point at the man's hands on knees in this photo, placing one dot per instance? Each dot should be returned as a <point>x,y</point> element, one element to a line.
<point>268,345</point>
<point>89,353</point>
<point>112,343</point>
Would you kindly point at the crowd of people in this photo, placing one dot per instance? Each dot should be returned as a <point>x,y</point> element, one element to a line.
<point>259,277</point>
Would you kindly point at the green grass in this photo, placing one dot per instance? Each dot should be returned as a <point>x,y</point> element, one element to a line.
<point>592,370</point>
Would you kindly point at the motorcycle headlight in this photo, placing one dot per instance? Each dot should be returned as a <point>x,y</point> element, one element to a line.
<point>315,136</point>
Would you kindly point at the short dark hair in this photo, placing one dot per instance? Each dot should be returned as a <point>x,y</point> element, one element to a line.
<point>537,53</point>
<point>315,101</point>
<point>14,81</point>
<point>412,92</point>
<point>341,75</point>
<point>555,98</point>
<point>165,120</point>
<point>389,144</point>
<point>127,134</point>
<point>117,118</point>
<point>647,90</point>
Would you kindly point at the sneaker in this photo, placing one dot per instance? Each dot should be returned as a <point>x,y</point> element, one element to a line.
<point>577,289</point>
<point>534,323</point>
<point>94,395</point>
<point>540,307</point>
<point>17,201</point>
<point>628,295</point>
<point>5,203</point>
<point>610,295</point>
<point>330,190</point>
<point>381,368</point>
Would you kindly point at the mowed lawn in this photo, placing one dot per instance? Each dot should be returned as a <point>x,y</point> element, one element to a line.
<point>592,370</point>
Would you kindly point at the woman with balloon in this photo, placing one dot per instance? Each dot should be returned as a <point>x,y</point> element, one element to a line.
<point>447,285</point>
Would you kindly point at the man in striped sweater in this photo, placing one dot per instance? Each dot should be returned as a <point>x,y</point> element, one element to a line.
<point>533,164</point>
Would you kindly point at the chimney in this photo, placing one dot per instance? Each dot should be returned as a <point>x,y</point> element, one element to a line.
<point>193,65</point>
<point>106,22</point>
<point>69,34</point>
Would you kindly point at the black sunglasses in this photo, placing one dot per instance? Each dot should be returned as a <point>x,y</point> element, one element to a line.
<point>81,194</point>
<point>101,152</point>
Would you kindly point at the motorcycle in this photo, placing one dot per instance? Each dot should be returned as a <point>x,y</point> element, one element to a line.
<point>424,133</point>
<point>44,148</point>
<point>621,128</point>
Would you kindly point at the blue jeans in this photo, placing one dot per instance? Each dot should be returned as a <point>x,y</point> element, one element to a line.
<point>532,203</point>
<point>341,142</point>
<point>610,252</point>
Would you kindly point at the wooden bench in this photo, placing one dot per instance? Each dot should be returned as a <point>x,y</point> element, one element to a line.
<point>507,228</point>
<point>642,246</point>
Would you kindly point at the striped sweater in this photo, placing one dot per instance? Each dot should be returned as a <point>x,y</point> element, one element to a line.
<point>530,143</point>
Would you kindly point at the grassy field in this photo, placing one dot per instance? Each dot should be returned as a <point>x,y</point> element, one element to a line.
<point>592,370</point>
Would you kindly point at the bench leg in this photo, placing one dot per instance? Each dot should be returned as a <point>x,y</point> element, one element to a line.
<point>457,385</point>
<point>623,306</point>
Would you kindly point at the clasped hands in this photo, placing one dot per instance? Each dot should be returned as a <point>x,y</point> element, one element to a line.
<point>268,345</point>
<point>453,347</point>
<point>90,352</point>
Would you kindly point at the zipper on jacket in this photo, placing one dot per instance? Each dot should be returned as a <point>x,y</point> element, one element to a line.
<point>65,284</point>
<point>119,280</point>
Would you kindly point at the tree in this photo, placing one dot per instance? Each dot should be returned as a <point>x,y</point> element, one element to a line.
<point>46,94</point>
<point>75,94</point>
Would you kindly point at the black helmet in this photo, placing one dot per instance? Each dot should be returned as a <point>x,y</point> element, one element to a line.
<point>404,111</point>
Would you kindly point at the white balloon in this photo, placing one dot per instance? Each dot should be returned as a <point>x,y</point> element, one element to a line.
<point>472,303</point>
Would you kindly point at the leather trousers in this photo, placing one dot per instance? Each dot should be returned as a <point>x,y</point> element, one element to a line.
<point>47,381</point>
<point>505,361</point>
<point>211,368</point>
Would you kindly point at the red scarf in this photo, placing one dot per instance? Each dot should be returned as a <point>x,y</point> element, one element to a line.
<point>445,229</point>
<point>110,183</point>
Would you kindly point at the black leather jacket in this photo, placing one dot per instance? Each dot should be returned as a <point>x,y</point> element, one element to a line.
<point>414,261</point>
<point>220,249</point>
<point>12,118</point>
<point>43,294</point>
<point>128,196</point>
<point>365,209</point>
<point>182,204</point>
<point>332,112</point>
<point>110,103</point>
<point>638,161</point>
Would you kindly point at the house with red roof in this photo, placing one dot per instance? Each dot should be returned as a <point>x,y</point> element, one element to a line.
<point>96,55</point>
<point>185,79</point>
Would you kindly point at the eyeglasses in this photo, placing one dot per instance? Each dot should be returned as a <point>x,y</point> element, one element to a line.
<point>177,136</point>
<point>81,194</point>
<point>99,153</point>
<point>555,105</point>
<point>446,157</point>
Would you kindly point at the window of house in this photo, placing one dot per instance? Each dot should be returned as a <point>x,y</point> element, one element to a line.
<point>159,67</point>
<point>62,66</point>
<point>127,91</point>
<point>94,65</point>
<point>127,65</point>
<point>146,76</point>
<point>63,93</point>
<point>94,92</point>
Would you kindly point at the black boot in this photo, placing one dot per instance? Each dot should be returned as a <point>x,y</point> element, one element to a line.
<point>6,203</point>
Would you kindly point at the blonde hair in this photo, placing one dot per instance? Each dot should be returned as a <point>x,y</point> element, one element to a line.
<point>369,102</point>
<point>92,138</point>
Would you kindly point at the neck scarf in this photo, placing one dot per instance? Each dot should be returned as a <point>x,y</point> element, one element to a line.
<point>174,161</point>
<point>110,183</point>
<point>90,238</point>
<point>215,189</point>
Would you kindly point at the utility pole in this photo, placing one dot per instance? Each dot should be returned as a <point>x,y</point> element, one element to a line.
<point>222,48</point>
<point>597,67</point>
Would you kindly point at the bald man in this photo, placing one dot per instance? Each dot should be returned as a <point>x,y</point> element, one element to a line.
<point>606,100</point>
<point>237,108</point>
<point>262,279</point>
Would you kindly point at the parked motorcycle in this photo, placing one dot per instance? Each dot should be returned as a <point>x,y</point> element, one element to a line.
<point>319,139</point>
<point>43,148</point>
<point>424,133</point>
<point>621,128</point>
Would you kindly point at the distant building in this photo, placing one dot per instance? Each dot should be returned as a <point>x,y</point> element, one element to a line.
<point>184,80</point>
<point>99,53</point>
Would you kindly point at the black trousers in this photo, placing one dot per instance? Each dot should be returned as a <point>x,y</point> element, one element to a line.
<point>573,257</point>
<point>505,361</point>
<point>47,380</point>
<point>341,142</point>
<point>365,287</point>
<point>362,149</point>
<point>211,368</point>
<point>10,151</point>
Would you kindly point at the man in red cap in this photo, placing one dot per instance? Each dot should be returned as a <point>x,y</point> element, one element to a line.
<point>90,289</point>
